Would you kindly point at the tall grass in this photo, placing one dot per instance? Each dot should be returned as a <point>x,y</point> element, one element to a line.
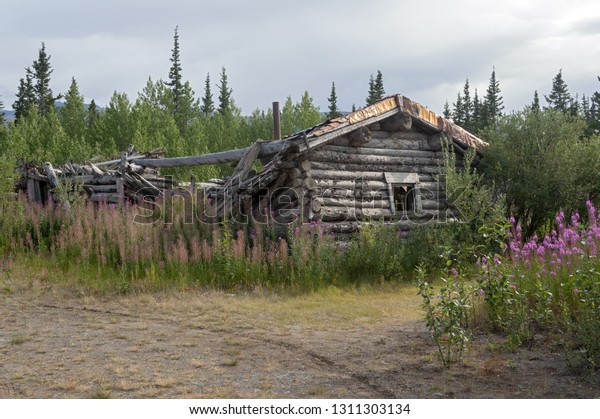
<point>110,252</point>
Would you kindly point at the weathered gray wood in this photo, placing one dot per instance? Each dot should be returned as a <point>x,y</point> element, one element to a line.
<point>437,140</point>
<point>397,144</point>
<point>102,188</point>
<point>383,152</point>
<point>295,173</point>
<point>334,201</point>
<point>112,198</point>
<point>351,185</point>
<point>52,178</point>
<point>357,169</point>
<point>341,130</point>
<point>310,183</point>
<point>359,137</point>
<point>305,165</point>
<point>334,174</point>
<point>231,156</point>
<point>345,158</point>
<point>398,122</point>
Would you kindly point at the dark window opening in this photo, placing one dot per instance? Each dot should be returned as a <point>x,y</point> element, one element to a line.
<point>404,198</point>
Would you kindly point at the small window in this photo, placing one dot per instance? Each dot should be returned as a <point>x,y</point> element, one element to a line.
<point>403,190</point>
<point>404,198</point>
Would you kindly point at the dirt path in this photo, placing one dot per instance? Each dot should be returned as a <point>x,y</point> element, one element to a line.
<point>214,345</point>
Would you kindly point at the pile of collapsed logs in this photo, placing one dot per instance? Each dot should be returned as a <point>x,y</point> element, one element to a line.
<point>112,181</point>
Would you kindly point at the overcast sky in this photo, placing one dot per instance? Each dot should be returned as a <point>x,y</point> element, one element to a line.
<point>275,48</point>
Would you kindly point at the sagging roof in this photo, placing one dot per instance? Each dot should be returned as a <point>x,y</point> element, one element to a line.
<point>380,110</point>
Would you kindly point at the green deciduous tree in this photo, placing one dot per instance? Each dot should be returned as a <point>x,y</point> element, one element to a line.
<point>537,158</point>
<point>73,114</point>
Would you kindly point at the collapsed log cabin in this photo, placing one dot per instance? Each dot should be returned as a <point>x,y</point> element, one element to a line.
<point>113,181</point>
<point>379,163</point>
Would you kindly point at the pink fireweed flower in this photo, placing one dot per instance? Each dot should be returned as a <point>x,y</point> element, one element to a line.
<point>481,292</point>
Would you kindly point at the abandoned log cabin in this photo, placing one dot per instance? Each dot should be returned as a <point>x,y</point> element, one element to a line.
<point>378,163</point>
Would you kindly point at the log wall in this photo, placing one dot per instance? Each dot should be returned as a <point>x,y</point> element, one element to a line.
<point>344,181</point>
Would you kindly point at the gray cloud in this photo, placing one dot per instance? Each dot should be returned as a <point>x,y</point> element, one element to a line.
<point>272,48</point>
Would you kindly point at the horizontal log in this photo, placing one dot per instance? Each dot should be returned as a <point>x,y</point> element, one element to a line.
<point>230,156</point>
<point>383,152</point>
<point>357,169</point>
<point>389,143</point>
<point>351,214</point>
<point>335,201</point>
<point>345,175</point>
<point>351,185</point>
<point>112,198</point>
<point>344,158</point>
<point>398,122</point>
<point>102,188</point>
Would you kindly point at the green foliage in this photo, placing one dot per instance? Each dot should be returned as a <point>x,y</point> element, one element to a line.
<point>539,161</point>
<point>376,90</point>
<point>559,98</point>
<point>493,104</point>
<point>208,105</point>
<point>334,111</point>
<point>72,116</point>
<point>42,70</point>
<point>224,94</point>
<point>448,314</point>
<point>25,95</point>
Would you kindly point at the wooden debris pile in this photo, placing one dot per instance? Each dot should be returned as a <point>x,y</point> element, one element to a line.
<point>112,181</point>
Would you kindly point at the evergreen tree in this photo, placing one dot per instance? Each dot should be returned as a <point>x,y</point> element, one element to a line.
<point>477,123</point>
<point>559,97</point>
<point>73,114</point>
<point>594,120</point>
<point>493,105</point>
<point>446,113</point>
<point>175,77</point>
<point>334,111</point>
<point>92,114</point>
<point>1,114</point>
<point>353,107</point>
<point>379,90</point>
<point>574,109</point>
<point>585,107</point>
<point>376,90</point>
<point>467,105</point>
<point>43,93</point>
<point>224,94</point>
<point>208,105</point>
<point>25,96</point>
<point>458,113</point>
<point>535,105</point>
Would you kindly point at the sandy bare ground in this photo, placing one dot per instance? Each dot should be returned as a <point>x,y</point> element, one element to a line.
<point>55,343</point>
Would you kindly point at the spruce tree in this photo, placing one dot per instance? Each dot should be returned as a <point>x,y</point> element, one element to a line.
<point>208,105</point>
<point>594,121</point>
<point>559,97</point>
<point>224,94</point>
<point>535,105</point>
<point>477,113</point>
<point>1,114</point>
<point>353,107</point>
<point>92,114</point>
<point>467,105</point>
<point>376,90</point>
<point>458,114</point>
<point>379,90</point>
<point>175,77</point>
<point>25,96</point>
<point>43,93</point>
<point>334,111</point>
<point>493,105</point>
<point>446,112</point>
